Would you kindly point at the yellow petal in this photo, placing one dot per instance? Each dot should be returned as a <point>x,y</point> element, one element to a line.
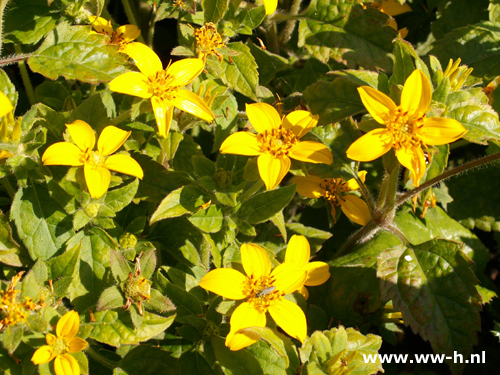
<point>76,344</point>
<point>290,318</point>
<point>393,24</point>
<point>272,169</point>
<point>288,277</point>
<point>225,282</point>
<point>298,251</point>
<point>370,146</point>
<point>63,153</point>
<point>241,143</point>
<point>101,25</point>
<point>440,131</point>
<point>66,364</point>
<point>393,8</point>
<point>304,292</point>
<point>128,32</point>
<point>355,209</point>
<point>45,354</point>
<point>82,134</point>
<point>67,326</point>
<point>97,180</point>
<point>263,117</point>
<point>300,122</point>
<point>317,273</point>
<point>417,94</point>
<point>183,72</point>
<point>245,315</point>
<point>163,113</point>
<point>191,103</point>
<point>414,161</point>
<point>146,59</point>
<point>377,103</point>
<point>5,105</point>
<point>50,338</point>
<point>353,184</point>
<point>309,187</point>
<point>131,83</point>
<point>311,152</point>
<point>403,33</point>
<point>111,139</point>
<point>270,6</point>
<point>124,164</point>
<point>255,260</point>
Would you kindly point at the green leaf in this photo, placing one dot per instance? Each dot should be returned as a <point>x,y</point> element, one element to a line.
<point>179,202</point>
<point>148,263</point>
<point>268,63</point>
<point>111,298</point>
<point>148,360</point>
<point>170,144</point>
<point>41,222</point>
<point>486,294</point>
<point>225,110</point>
<point>11,337</point>
<point>263,206</point>
<point>118,199</point>
<point>475,45</point>
<point>239,362</point>
<point>65,265</point>
<point>52,94</point>
<point>194,363</point>
<point>333,101</point>
<point>241,75</point>
<point>186,150</point>
<point>159,302</point>
<point>213,10</point>
<point>358,77</point>
<point>8,88</point>
<point>70,51</point>
<point>432,284</point>
<point>344,31</point>
<point>10,252</point>
<point>119,266</point>
<point>403,65</point>
<point>28,21</point>
<point>208,220</point>
<point>115,328</point>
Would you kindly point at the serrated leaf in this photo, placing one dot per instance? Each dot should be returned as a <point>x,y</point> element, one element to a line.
<point>333,101</point>
<point>41,223</point>
<point>241,74</point>
<point>208,220</point>
<point>213,10</point>
<point>179,202</point>
<point>432,284</point>
<point>344,31</point>
<point>148,263</point>
<point>88,58</point>
<point>111,298</point>
<point>28,21</point>
<point>115,328</point>
<point>265,205</point>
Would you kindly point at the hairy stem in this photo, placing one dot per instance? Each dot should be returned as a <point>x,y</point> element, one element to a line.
<point>131,17</point>
<point>447,174</point>
<point>272,36</point>
<point>358,237</point>
<point>286,34</point>
<point>12,59</point>
<point>25,77</point>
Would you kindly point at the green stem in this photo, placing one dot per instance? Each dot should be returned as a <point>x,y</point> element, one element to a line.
<point>255,188</point>
<point>14,59</point>
<point>286,34</point>
<point>6,184</point>
<point>392,190</point>
<point>131,17</point>
<point>272,36</point>
<point>358,237</point>
<point>447,174</point>
<point>25,77</point>
<point>3,4</point>
<point>151,26</point>
<point>103,361</point>
<point>121,117</point>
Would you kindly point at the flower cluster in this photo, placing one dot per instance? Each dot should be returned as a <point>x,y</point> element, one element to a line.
<point>12,310</point>
<point>121,36</point>
<point>208,41</point>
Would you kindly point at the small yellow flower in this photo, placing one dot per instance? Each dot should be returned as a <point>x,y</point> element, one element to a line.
<point>61,345</point>
<point>457,74</point>
<point>123,35</point>
<point>264,291</point>
<point>278,141</point>
<point>162,86</point>
<point>270,6</point>
<point>337,192</point>
<point>13,311</point>
<point>96,164</point>
<point>297,254</point>
<point>208,41</point>
<point>407,129</point>
<point>5,105</point>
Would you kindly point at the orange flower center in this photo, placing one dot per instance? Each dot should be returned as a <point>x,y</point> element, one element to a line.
<point>404,130</point>
<point>277,142</point>
<point>261,292</point>
<point>334,188</point>
<point>160,85</point>
<point>93,158</point>
<point>208,40</point>
<point>11,310</point>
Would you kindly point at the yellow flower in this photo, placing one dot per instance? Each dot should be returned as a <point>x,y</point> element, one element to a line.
<point>208,41</point>
<point>270,6</point>
<point>456,73</point>
<point>407,127</point>
<point>61,345</point>
<point>96,164</point>
<point>123,35</point>
<point>278,141</point>
<point>5,105</point>
<point>264,291</point>
<point>11,310</point>
<point>337,192</point>
<point>297,254</point>
<point>162,86</point>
